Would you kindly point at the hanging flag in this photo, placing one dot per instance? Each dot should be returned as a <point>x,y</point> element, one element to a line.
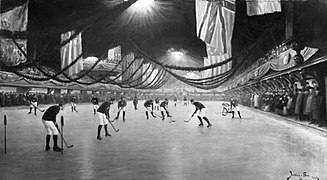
<point>127,71</point>
<point>15,21</point>
<point>114,55</point>
<point>70,52</point>
<point>260,7</point>
<point>213,58</point>
<point>215,22</point>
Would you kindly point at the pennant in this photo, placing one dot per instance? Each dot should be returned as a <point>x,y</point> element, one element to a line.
<point>260,7</point>
<point>70,52</point>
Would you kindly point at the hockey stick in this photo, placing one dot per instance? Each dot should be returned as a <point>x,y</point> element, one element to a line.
<point>154,113</point>
<point>68,146</point>
<point>62,137</point>
<point>171,120</point>
<point>34,106</point>
<point>116,130</point>
<point>188,119</point>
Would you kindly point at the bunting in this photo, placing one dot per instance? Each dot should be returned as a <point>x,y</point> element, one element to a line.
<point>70,52</point>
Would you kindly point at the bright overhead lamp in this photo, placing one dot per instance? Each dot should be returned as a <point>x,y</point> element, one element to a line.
<point>143,4</point>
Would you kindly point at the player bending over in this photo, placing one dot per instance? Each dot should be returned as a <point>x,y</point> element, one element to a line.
<point>147,105</point>
<point>200,111</point>
<point>164,107</point>
<point>103,113</point>
<point>49,122</point>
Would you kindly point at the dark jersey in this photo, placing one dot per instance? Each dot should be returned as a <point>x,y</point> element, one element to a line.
<point>33,99</point>
<point>73,99</point>
<point>51,113</point>
<point>198,105</point>
<point>135,101</point>
<point>164,104</point>
<point>122,103</point>
<point>104,108</point>
<point>148,103</point>
<point>95,101</point>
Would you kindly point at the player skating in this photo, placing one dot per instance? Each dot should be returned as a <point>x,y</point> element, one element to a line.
<point>33,104</point>
<point>234,107</point>
<point>147,105</point>
<point>73,103</point>
<point>121,107</point>
<point>164,107</point>
<point>200,111</point>
<point>135,102</point>
<point>157,104</point>
<point>175,101</point>
<point>95,102</point>
<point>49,122</point>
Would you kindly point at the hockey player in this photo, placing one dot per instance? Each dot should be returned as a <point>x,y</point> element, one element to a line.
<point>149,104</point>
<point>164,107</point>
<point>121,107</point>
<point>200,111</point>
<point>234,107</point>
<point>175,101</point>
<point>135,102</point>
<point>157,104</point>
<point>73,103</point>
<point>49,122</point>
<point>103,113</point>
<point>33,104</point>
<point>95,102</point>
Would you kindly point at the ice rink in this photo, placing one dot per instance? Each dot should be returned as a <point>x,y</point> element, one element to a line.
<point>252,148</point>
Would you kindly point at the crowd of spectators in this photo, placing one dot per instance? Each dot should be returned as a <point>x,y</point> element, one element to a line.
<point>304,103</point>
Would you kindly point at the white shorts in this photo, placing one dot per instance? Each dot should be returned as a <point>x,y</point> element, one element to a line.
<point>235,108</point>
<point>201,113</point>
<point>162,108</point>
<point>33,104</point>
<point>95,106</point>
<point>102,119</point>
<point>50,127</point>
<point>121,109</point>
<point>73,104</point>
<point>147,109</point>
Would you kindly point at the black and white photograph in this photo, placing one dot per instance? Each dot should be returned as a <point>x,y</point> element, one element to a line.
<point>163,89</point>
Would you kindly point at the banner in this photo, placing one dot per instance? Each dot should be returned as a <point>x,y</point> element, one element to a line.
<point>70,52</point>
<point>260,7</point>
